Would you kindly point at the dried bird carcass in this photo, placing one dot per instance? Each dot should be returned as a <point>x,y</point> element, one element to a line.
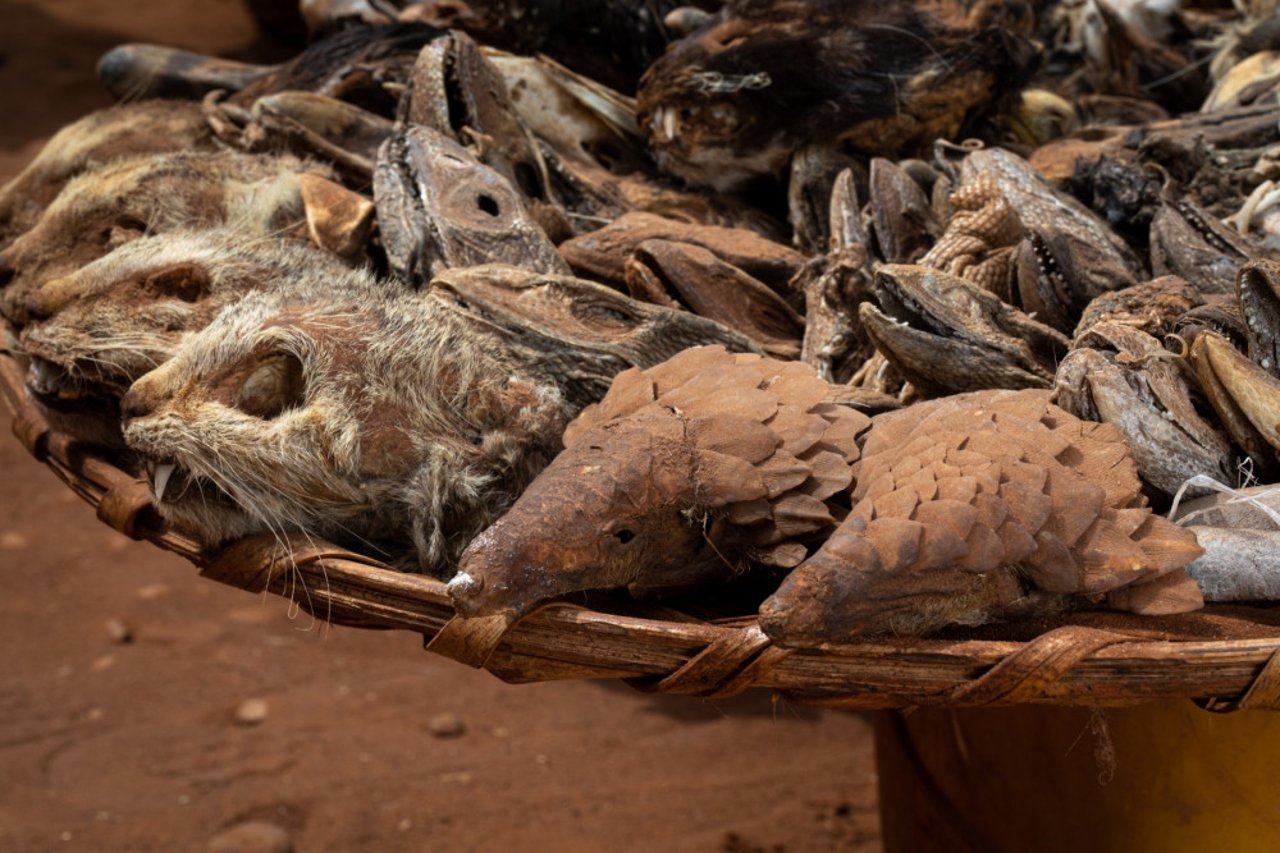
<point>734,99</point>
<point>681,475</point>
<point>981,507</point>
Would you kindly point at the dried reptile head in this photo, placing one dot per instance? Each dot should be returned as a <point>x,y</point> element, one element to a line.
<point>1120,375</point>
<point>576,333</point>
<point>734,99</point>
<point>980,507</point>
<point>834,342</point>
<point>1072,255</point>
<point>101,210</point>
<point>439,207</point>
<point>814,170</point>
<point>1187,241</point>
<point>902,220</point>
<point>678,477</point>
<point>1258,292</point>
<point>675,274</point>
<point>1153,307</point>
<point>945,334</point>
<point>603,254</point>
<point>456,91</point>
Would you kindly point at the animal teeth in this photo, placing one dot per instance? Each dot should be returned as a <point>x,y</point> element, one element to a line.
<point>160,478</point>
<point>669,124</point>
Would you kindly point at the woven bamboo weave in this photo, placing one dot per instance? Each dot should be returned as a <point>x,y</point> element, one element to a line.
<point>1226,658</point>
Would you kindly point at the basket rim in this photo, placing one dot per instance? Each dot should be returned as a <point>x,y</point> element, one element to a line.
<point>1071,664</point>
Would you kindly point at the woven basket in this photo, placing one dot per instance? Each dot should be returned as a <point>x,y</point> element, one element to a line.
<point>1226,658</point>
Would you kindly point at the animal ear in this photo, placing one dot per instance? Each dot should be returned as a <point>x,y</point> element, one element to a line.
<point>186,281</point>
<point>275,385</point>
<point>337,218</point>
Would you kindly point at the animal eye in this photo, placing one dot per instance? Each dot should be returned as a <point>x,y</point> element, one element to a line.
<point>624,535</point>
<point>274,386</point>
<point>187,282</point>
<point>124,230</point>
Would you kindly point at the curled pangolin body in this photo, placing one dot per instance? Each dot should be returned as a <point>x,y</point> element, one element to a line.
<point>983,506</point>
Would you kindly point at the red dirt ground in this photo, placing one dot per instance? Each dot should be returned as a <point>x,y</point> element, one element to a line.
<point>108,744</point>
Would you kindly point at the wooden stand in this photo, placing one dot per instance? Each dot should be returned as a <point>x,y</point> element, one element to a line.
<point>1164,777</point>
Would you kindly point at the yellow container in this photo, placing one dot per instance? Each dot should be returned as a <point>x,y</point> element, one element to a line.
<point>1160,777</point>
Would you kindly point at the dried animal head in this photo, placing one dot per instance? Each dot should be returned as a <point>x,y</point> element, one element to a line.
<point>378,422</point>
<point>947,335</point>
<point>110,206</point>
<point>439,207</point>
<point>99,328</point>
<point>128,130</point>
<point>578,333</point>
<point>1120,375</point>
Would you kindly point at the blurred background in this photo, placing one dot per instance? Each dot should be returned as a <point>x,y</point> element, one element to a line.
<point>145,708</point>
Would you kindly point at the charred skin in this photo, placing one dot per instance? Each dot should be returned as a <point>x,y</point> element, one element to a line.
<point>733,100</point>
<point>594,521</point>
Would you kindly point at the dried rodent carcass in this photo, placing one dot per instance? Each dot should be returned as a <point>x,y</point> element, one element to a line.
<point>127,130</point>
<point>980,507</point>
<point>122,201</point>
<point>384,423</point>
<point>680,476</point>
<point>97,329</point>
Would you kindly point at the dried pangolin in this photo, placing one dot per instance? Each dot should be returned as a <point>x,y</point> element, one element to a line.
<point>680,475</point>
<point>979,507</point>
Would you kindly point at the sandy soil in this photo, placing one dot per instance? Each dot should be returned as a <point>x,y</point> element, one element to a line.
<point>122,673</point>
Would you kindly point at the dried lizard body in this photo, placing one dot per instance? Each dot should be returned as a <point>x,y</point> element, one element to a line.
<point>681,475</point>
<point>979,507</point>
